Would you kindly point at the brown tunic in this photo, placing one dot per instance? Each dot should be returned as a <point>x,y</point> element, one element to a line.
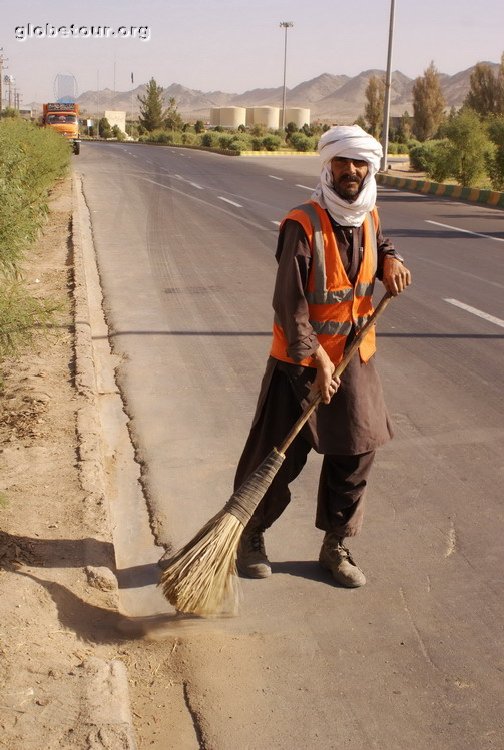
<point>356,421</point>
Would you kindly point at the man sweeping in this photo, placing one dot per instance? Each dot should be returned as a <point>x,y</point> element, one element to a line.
<point>330,251</point>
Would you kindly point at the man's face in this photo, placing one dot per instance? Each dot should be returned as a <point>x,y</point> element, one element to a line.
<point>348,176</point>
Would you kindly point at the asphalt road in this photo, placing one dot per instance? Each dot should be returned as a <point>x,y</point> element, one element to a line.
<point>185,243</point>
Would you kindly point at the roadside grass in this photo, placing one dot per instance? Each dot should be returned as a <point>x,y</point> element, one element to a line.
<point>32,159</point>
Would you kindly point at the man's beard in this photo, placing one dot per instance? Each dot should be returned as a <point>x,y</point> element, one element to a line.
<point>349,188</point>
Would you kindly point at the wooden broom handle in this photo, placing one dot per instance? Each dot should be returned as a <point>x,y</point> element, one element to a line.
<point>337,372</point>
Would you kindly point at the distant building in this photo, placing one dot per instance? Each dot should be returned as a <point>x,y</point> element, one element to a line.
<point>116,117</point>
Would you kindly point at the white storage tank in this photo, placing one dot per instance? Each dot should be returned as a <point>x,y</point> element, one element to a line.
<point>232,117</point>
<point>267,116</point>
<point>298,115</point>
<point>249,117</point>
<point>214,117</point>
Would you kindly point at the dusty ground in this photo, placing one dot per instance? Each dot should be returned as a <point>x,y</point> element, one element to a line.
<point>62,656</point>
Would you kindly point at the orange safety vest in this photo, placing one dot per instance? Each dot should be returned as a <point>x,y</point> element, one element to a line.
<point>335,305</point>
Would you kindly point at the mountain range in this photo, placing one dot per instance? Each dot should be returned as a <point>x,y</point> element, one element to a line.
<point>333,98</point>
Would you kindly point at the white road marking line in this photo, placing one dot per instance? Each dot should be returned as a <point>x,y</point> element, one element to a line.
<point>277,223</point>
<point>194,184</point>
<point>193,198</point>
<point>238,205</point>
<point>274,177</point>
<point>305,187</point>
<point>466,231</point>
<point>475,311</point>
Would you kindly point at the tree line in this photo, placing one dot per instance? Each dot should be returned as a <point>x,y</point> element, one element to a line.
<point>466,144</point>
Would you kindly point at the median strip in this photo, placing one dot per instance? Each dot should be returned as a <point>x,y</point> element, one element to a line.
<point>439,189</point>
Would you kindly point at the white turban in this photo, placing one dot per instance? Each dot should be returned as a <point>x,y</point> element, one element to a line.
<point>351,142</point>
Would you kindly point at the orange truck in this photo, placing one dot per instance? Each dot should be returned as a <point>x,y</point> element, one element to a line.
<point>64,118</point>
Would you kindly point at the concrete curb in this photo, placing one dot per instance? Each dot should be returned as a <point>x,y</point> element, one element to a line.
<point>107,708</point>
<point>107,715</point>
<point>439,189</point>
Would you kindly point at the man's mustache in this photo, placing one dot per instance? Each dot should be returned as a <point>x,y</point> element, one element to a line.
<point>348,176</point>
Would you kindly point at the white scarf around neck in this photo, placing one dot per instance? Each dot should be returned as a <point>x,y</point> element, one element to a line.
<point>351,142</point>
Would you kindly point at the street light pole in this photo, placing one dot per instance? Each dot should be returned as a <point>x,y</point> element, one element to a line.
<point>285,25</point>
<point>2,58</point>
<point>388,79</point>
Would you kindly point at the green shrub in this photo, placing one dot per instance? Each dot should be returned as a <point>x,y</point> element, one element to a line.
<point>225,140</point>
<point>210,139</point>
<point>396,147</point>
<point>240,143</point>
<point>104,128</point>
<point>189,139</point>
<point>132,129</point>
<point>272,142</point>
<point>256,143</point>
<point>494,158</point>
<point>301,142</point>
<point>422,156</point>
<point>470,147</point>
<point>441,161</point>
<point>118,133</point>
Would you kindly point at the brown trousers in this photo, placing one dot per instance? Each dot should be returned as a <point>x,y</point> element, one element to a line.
<point>343,479</point>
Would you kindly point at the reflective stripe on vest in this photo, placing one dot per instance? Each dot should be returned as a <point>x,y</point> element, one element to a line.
<point>321,295</point>
<point>333,326</point>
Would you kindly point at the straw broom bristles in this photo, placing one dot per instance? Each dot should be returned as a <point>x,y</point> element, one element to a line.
<point>201,578</point>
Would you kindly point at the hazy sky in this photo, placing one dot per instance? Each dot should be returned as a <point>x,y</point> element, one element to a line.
<point>235,45</point>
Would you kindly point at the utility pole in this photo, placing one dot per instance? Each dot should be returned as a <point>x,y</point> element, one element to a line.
<point>285,25</point>
<point>2,60</point>
<point>10,81</point>
<point>132,83</point>
<point>388,79</point>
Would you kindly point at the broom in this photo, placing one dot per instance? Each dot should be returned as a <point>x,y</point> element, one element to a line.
<point>201,577</point>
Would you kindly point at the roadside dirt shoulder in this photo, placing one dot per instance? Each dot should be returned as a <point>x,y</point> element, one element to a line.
<point>64,666</point>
